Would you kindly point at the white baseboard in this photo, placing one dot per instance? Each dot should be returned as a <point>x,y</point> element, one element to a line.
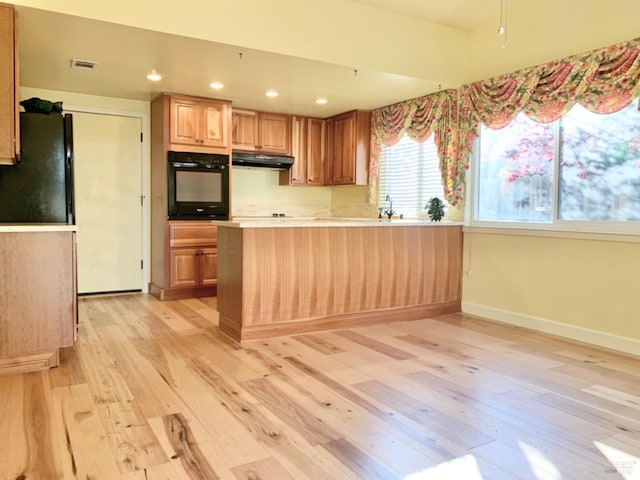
<point>573,332</point>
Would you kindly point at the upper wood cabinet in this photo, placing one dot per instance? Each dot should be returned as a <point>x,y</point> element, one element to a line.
<point>261,132</point>
<point>308,148</point>
<point>348,143</point>
<point>316,148</point>
<point>297,173</point>
<point>199,125</point>
<point>9,105</point>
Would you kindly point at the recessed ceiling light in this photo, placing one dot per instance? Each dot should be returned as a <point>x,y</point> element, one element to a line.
<point>216,85</point>
<point>154,76</point>
<point>272,93</point>
<point>321,101</point>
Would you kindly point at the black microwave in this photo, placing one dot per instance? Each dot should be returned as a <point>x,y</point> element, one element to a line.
<point>197,186</point>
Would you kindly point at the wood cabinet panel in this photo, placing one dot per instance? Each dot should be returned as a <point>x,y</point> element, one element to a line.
<point>342,169</point>
<point>348,148</point>
<point>209,266</point>
<point>297,173</point>
<point>245,130</point>
<point>316,143</point>
<point>37,297</point>
<point>308,148</point>
<point>214,126</point>
<point>184,119</point>
<point>261,132</point>
<point>274,133</point>
<point>184,267</point>
<point>199,123</point>
<point>9,105</point>
<point>185,234</point>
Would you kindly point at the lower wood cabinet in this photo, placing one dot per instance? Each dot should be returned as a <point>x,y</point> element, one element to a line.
<point>187,266</point>
<point>193,267</point>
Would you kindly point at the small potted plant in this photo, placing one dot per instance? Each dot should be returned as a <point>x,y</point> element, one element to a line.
<point>435,209</point>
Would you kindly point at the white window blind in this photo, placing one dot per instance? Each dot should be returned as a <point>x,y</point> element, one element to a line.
<point>410,175</point>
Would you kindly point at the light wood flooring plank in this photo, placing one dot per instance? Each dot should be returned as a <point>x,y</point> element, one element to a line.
<point>267,469</point>
<point>81,435</point>
<point>358,461</point>
<point>132,441</point>
<point>153,390</point>
<point>34,450</point>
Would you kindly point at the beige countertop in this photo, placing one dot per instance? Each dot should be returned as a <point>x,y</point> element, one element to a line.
<point>33,227</point>
<point>289,222</point>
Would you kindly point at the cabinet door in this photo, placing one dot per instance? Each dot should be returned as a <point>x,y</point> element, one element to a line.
<point>209,266</point>
<point>244,134</point>
<point>184,121</point>
<point>343,161</point>
<point>213,124</point>
<point>298,171</point>
<point>9,117</point>
<point>316,132</point>
<point>184,264</point>
<point>274,134</point>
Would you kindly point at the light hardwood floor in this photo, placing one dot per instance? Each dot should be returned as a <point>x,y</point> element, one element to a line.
<point>152,390</point>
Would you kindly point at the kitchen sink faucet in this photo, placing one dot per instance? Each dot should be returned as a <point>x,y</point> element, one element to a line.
<point>389,211</point>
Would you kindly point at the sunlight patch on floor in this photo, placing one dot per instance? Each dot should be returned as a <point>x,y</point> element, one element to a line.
<point>541,466</point>
<point>625,464</point>
<point>464,467</point>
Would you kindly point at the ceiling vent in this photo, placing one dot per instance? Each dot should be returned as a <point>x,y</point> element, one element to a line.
<point>83,64</point>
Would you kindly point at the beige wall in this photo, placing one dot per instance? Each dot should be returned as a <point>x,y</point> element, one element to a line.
<point>588,284</point>
<point>544,30</point>
<point>347,201</point>
<point>256,191</point>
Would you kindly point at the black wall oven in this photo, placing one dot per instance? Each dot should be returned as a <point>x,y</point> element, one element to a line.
<point>198,186</point>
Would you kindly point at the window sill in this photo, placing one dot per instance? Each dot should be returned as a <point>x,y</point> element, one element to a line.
<point>536,231</point>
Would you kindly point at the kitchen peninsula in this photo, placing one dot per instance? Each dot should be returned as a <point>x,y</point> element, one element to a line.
<point>282,277</point>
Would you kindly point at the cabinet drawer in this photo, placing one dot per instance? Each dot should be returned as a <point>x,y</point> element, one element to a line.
<point>192,234</point>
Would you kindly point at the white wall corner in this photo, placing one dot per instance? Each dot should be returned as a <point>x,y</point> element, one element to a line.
<point>572,332</point>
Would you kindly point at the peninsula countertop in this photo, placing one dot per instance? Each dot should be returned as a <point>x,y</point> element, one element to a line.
<point>289,222</point>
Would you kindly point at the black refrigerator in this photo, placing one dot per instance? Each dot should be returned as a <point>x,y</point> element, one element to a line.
<point>39,189</point>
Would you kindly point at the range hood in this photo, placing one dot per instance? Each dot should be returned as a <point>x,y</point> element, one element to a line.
<point>263,161</point>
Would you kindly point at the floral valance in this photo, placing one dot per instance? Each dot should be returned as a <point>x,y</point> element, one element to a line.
<point>419,118</point>
<point>603,81</point>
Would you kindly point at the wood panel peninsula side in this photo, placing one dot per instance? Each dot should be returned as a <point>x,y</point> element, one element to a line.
<point>282,278</point>
<point>38,295</point>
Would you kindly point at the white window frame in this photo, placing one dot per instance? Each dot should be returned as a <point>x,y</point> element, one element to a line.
<point>556,224</point>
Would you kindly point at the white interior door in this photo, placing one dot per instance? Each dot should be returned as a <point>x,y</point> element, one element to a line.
<point>108,189</point>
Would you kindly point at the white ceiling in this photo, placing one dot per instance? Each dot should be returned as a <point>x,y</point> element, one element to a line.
<point>48,42</point>
<point>461,14</point>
